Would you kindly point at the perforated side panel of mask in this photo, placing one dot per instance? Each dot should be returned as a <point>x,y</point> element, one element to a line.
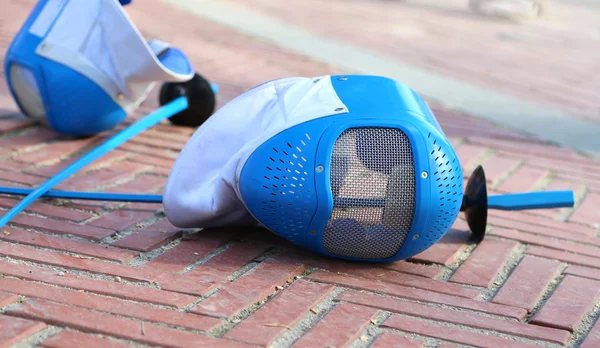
<point>373,185</point>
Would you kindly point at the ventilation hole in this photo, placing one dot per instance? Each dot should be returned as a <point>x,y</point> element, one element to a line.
<point>285,153</point>
<point>290,146</point>
<point>276,177</point>
<point>271,158</point>
<point>274,149</point>
<point>278,169</point>
<point>267,187</point>
<point>266,177</point>
<point>300,165</point>
<point>269,168</point>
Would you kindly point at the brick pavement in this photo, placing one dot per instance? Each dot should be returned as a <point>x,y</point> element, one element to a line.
<point>75,273</point>
<point>527,61</point>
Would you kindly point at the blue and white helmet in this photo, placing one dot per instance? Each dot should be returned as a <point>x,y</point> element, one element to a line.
<point>81,66</point>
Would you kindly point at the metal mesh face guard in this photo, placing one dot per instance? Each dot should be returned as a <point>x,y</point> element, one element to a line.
<point>373,186</point>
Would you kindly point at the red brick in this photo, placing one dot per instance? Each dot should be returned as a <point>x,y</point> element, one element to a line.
<point>569,303</point>
<point>208,275</point>
<point>564,256</point>
<point>484,264</point>
<point>388,339</point>
<point>30,138</point>
<point>55,151</point>
<point>20,178</point>
<point>141,184</point>
<point>513,149</point>
<point>543,226</point>
<point>59,243</point>
<point>95,322</point>
<point>448,333</point>
<point>252,287</point>
<point>528,282</point>
<point>60,227</point>
<point>593,338</point>
<point>468,153</point>
<point>51,170</point>
<point>190,250</point>
<point>545,242</point>
<point>558,184</point>
<point>523,180</point>
<point>102,177</point>
<point>339,328</point>
<point>285,309</point>
<point>6,299</point>
<point>107,304</point>
<point>14,330</point>
<point>584,272</point>
<point>450,316</point>
<point>47,210</point>
<point>160,171</point>
<point>122,219</point>
<point>384,275</point>
<point>68,261</point>
<point>74,339</point>
<point>588,212</point>
<point>147,150</point>
<point>150,237</point>
<point>103,287</point>
<point>497,167</point>
<point>11,165</point>
<point>14,123</point>
<point>158,143</point>
<point>413,268</point>
<point>446,249</point>
<point>417,294</point>
<point>155,161</point>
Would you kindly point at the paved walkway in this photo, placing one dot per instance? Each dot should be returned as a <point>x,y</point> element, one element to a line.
<point>81,274</point>
<point>519,76</point>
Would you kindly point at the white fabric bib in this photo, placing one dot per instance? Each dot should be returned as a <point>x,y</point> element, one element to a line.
<point>202,188</point>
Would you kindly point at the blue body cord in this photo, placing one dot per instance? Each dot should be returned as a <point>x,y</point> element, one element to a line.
<point>115,141</point>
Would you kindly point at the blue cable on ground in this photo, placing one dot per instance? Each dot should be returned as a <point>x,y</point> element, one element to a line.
<point>115,141</point>
<point>90,196</point>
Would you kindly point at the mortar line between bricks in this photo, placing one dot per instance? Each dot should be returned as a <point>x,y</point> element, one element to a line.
<point>371,331</point>
<point>587,323</point>
<point>550,289</point>
<point>430,342</point>
<point>64,236</point>
<point>508,268</point>
<point>96,276</point>
<point>53,330</point>
<point>434,305</point>
<point>580,196</point>
<point>510,172</point>
<point>64,287</point>
<point>543,182</point>
<point>118,235</point>
<point>121,316</point>
<point>38,337</point>
<point>309,321</point>
<point>57,251</point>
<point>481,331</point>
